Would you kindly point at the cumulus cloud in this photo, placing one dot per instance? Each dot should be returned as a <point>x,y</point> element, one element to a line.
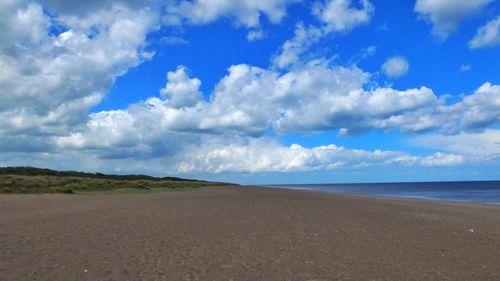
<point>243,12</point>
<point>395,67</point>
<point>56,66</point>
<point>52,80</point>
<point>59,60</point>
<point>146,130</point>
<point>446,15</point>
<point>181,90</point>
<point>481,146</point>
<point>215,154</point>
<point>334,98</point>
<point>259,156</point>
<point>474,112</point>
<point>218,154</point>
<point>22,24</point>
<point>442,159</point>
<point>487,35</point>
<point>225,133</point>
<point>479,110</point>
<point>313,97</point>
<point>342,15</point>
<point>250,100</point>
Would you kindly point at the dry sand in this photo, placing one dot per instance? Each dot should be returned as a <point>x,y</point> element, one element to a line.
<point>242,233</point>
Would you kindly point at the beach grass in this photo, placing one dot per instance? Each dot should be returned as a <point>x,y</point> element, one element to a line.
<point>85,183</point>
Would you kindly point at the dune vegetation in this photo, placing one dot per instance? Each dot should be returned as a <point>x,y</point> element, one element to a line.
<point>35,180</point>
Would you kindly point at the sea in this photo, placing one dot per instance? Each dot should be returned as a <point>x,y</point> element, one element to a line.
<point>486,192</point>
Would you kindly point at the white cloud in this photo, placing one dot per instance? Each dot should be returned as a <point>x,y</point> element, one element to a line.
<point>487,35</point>
<point>115,128</point>
<point>249,100</point>
<point>52,80</point>
<point>446,15</point>
<point>342,16</point>
<point>334,99</point>
<point>217,154</point>
<point>465,67</point>
<point>21,24</point>
<point>291,51</point>
<point>242,12</point>
<point>474,112</point>
<point>261,156</point>
<point>202,153</point>
<point>225,133</point>
<point>318,97</point>
<point>181,90</point>
<point>312,97</point>
<point>256,34</point>
<point>335,16</point>
<point>172,40</point>
<point>245,102</point>
<point>395,67</point>
<point>442,159</point>
<point>363,54</point>
<point>147,130</point>
<point>479,110</point>
<point>481,146</point>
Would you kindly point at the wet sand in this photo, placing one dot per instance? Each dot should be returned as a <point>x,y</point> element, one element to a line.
<point>243,233</point>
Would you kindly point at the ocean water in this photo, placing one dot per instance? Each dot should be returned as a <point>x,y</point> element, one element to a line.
<point>486,192</point>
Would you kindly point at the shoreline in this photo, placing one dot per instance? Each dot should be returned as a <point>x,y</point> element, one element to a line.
<point>384,196</point>
<point>246,233</point>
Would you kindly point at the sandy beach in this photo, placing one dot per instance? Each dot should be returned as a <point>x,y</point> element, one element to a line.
<point>245,233</point>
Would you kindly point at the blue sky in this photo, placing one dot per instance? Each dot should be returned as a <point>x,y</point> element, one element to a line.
<point>325,91</point>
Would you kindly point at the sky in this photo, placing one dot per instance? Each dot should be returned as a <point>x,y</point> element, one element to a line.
<point>253,92</point>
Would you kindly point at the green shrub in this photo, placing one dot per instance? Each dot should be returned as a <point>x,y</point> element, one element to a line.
<point>74,183</point>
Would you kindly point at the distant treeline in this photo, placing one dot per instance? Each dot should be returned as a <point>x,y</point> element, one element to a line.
<point>32,171</point>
